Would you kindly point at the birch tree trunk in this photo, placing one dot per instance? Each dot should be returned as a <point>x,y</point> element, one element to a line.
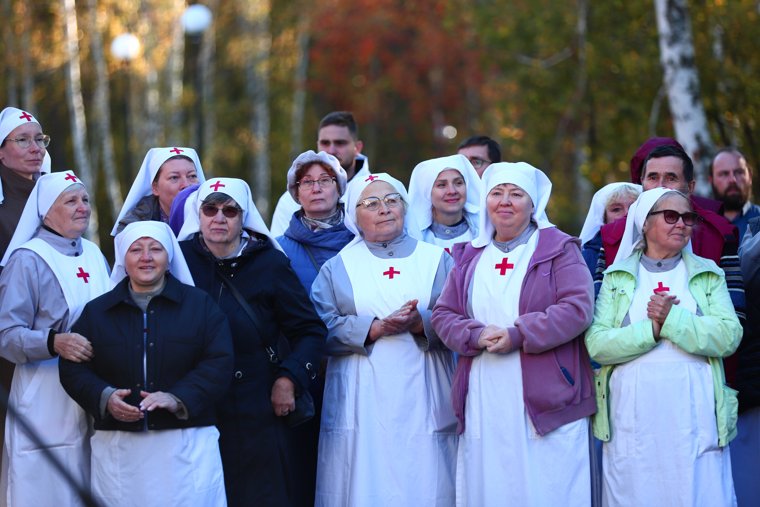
<point>257,70</point>
<point>23,16</point>
<point>102,112</point>
<point>76,110</point>
<point>207,70</point>
<point>174,69</point>
<point>681,81</point>
<point>299,84</point>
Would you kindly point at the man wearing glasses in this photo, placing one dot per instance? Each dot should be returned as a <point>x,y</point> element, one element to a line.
<point>482,151</point>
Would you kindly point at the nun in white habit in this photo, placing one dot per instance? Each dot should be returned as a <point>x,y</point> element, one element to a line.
<point>388,433</point>
<point>152,384</point>
<point>50,273</point>
<point>662,323</point>
<point>444,196</point>
<point>163,174</point>
<point>515,307</point>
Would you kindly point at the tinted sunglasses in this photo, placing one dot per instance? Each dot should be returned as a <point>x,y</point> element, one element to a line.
<point>671,217</point>
<point>211,211</point>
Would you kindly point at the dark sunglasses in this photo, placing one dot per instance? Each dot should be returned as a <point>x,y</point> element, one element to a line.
<point>228,211</point>
<point>690,219</point>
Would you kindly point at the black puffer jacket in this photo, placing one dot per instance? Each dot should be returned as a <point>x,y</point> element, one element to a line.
<point>255,444</point>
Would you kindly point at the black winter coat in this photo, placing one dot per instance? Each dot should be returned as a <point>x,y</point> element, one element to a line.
<point>256,444</point>
<point>189,354</point>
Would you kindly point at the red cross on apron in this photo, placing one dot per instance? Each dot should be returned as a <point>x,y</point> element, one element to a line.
<point>661,288</point>
<point>216,186</point>
<point>83,275</point>
<point>504,266</point>
<point>391,272</point>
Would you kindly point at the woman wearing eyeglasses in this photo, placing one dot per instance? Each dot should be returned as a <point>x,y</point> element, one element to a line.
<point>445,200</point>
<point>232,257</point>
<point>662,323</point>
<point>388,432</point>
<point>163,174</point>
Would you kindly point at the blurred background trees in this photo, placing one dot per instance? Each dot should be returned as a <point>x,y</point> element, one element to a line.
<point>571,87</point>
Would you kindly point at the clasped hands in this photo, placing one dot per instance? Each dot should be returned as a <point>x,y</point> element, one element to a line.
<point>495,339</point>
<point>658,309</point>
<point>124,412</point>
<point>405,319</point>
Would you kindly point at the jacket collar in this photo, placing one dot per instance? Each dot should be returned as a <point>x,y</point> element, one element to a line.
<point>120,293</point>
<point>695,265</point>
<point>551,243</point>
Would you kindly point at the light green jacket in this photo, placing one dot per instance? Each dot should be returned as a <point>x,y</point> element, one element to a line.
<point>714,331</point>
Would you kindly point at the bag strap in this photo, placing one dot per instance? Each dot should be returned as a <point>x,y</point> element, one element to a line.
<point>311,256</point>
<point>273,358</point>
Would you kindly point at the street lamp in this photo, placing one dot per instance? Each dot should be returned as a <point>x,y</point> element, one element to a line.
<point>125,48</point>
<point>195,21</point>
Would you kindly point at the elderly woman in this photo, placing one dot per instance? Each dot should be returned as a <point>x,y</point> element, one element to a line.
<point>663,321</point>
<point>232,257</point>
<point>50,273</point>
<point>388,431</point>
<point>151,385</point>
<point>163,174</point>
<point>445,201</point>
<point>316,231</point>
<point>515,308</point>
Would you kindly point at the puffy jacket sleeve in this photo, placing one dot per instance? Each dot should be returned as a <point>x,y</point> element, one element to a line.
<point>716,333</point>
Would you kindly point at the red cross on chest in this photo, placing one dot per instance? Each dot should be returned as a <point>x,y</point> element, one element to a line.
<point>71,177</point>
<point>176,151</point>
<point>504,266</point>
<point>391,272</point>
<point>26,116</point>
<point>83,275</point>
<point>216,186</point>
<point>661,288</point>
<point>371,177</point>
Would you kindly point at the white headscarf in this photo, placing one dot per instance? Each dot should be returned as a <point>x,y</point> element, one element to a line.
<point>533,181</point>
<point>310,157</point>
<point>143,184</point>
<point>421,185</point>
<point>10,118</point>
<point>352,197</point>
<point>239,191</point>
<point>162,233</point>
<point>634,223</point>
<point>595,218</point>
<point>43,195</point>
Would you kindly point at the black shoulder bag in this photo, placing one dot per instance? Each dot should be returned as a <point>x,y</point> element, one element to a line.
<point>304,402</point>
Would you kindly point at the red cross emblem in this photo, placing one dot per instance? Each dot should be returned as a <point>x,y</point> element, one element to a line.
<point>81,274</point>
<point>661,288</point>
<point>504,266</point>
<point>391,272</point>
<point>371,177</point>
<point>71,177</point>
<point>216,186</point>
<point>26,116</point>
<point>448,250</point>
<point>176,151</point>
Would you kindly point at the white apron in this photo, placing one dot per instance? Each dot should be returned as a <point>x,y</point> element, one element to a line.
<point>664,446</point>
<point>36,393</point>
<point>501,459</point>
<point>388,433</point>
<point>176,467</point>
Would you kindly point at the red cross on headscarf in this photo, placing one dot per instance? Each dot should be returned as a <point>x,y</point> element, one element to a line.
<point>176,151</point>
<point>504,266</point>
<point>391,272</point>
<point>661,288</point>
<point>371,177</point>
<point>216,186</point>
<point>26,116</point>
<point>71,177</point>
<point>83,275</point>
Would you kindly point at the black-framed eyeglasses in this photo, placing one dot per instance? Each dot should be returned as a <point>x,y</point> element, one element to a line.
<point>323,182</point>
<point>690,219</point>
<point>24,142</point>
<point>211,211</point>
<point>392,200</point>
<point>478,162</point>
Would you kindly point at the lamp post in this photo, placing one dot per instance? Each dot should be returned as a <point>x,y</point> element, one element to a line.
<point>195,21</point>
<point>125,48</point>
